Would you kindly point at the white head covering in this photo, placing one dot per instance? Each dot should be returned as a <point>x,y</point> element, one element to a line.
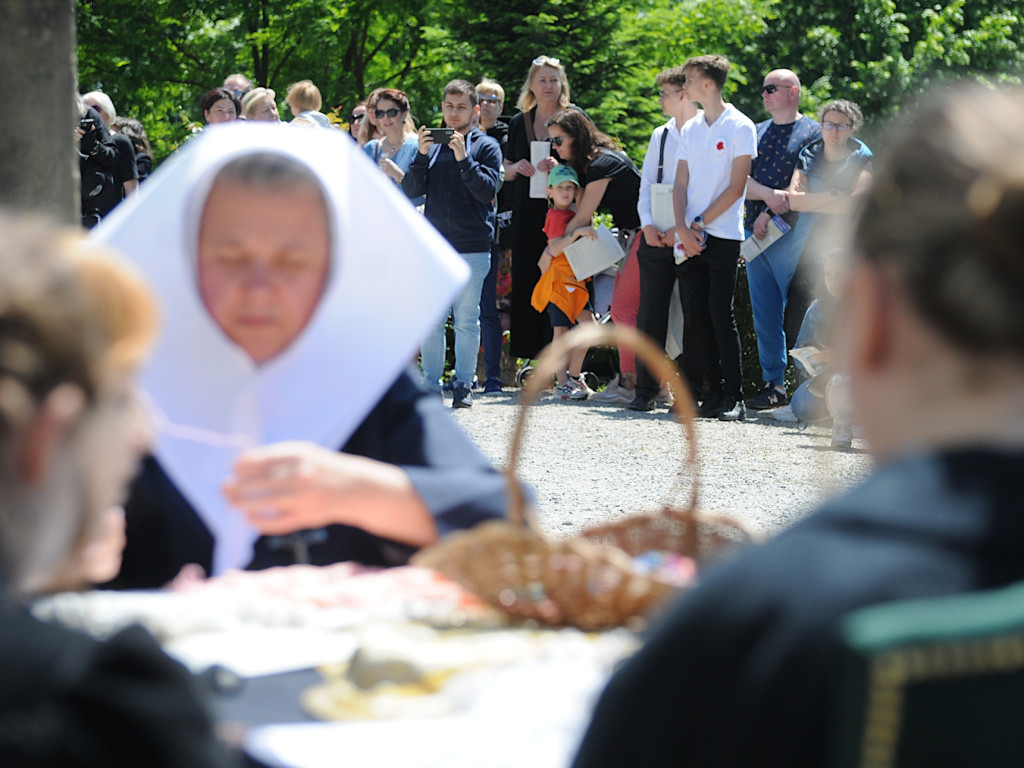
<point>391,277</point>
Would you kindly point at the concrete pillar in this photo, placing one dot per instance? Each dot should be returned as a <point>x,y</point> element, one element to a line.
<point>38,154</point>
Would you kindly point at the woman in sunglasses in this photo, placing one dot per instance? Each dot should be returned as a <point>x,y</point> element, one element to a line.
<point>545,93</point>
<point>610,184</point>
<point>831,173</point>
<point>397,145</point>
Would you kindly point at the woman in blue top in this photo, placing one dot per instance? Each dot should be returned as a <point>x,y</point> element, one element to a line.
<point>831,173</point>
<point>395,150</point>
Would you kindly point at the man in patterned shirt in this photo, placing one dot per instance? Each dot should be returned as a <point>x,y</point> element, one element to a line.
<point>780,140</point>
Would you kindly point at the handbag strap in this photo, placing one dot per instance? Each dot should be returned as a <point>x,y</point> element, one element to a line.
<point>528,121</point>
<point>661,154</point>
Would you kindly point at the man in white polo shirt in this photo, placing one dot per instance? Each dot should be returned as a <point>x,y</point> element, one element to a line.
<point>714,158</point>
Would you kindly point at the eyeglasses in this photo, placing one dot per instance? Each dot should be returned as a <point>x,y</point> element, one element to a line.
<point>557,140</point>
<point>772,88</point>
<point>356,118</point>
<point>380,114</point>
<point>490,99</point>
<point>828,125</point>
<point>540,61</point>
<point>663,95</point>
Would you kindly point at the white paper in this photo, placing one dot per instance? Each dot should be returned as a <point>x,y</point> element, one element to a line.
<point>753,247</point>
<point>588,257</point>
<point>539,181</point>
<point>663,215</point>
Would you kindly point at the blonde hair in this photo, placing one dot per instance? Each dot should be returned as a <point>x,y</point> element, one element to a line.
<point>70,313</point>
<point>527,100</point>
<point>488,86</point>
<point>944,213</point>
<point>252,97</point>
<point>303,96</point>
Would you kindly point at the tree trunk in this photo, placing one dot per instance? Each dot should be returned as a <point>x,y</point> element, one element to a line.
<point>38,155</point>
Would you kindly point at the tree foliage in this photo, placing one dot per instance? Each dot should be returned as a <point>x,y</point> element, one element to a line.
<point>156,57</point>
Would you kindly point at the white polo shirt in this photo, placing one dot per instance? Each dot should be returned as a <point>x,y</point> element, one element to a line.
<point>709,152</point>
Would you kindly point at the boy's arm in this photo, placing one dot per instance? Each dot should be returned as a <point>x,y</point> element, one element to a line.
<point>737,184</point>
<point>414,183</point>
<point>480,172</point>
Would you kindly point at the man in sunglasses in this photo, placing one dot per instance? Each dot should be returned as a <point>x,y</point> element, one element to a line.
<point>779,141</point>
<point>459,174</point>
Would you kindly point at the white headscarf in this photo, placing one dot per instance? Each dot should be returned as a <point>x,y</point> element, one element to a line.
<point>391,277</point>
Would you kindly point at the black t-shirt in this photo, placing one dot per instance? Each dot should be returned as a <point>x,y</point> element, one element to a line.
<point>126,169</point>
<point>620,198</point>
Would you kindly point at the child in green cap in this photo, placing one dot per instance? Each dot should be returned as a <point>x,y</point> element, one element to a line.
<point>566,298</point>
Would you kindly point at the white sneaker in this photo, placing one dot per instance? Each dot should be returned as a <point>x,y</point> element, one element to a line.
<point>614,393</point>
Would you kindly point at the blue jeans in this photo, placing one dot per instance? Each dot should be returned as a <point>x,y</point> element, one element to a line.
<point>768,277</point>
<point>466,314</point>
<point>490,323</point>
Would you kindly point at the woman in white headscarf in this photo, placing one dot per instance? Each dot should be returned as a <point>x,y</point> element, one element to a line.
<point>267,251</point>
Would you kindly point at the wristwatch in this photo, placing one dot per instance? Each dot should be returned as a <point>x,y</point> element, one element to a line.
<point>698,222</point>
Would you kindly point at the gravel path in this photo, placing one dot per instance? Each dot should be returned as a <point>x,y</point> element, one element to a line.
<point>590,463</point>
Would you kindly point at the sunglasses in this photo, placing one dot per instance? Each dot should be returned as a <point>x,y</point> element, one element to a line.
<point>356,118</point>
<point>540,61</point>
<point>557,140</point>
<point>380,114</point>
<point>770,89</point>
<point>490,99</point>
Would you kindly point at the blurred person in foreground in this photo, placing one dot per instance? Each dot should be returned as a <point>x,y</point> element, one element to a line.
<point>74,324</point>
<point>265,245</point>
<point>744,669</point>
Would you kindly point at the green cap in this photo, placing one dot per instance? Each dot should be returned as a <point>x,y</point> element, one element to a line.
<point>561,173</point>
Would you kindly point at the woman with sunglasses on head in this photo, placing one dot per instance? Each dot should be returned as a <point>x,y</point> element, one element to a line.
<point>831,173</point>
<point>544,94</point>
<point>394,151</point>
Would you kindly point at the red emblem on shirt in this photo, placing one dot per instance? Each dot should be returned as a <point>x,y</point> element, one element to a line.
<point>720,146</point>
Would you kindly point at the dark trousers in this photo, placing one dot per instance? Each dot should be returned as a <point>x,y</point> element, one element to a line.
<point>709,285</point>
<point>490,324</point>
<point>658,275</point>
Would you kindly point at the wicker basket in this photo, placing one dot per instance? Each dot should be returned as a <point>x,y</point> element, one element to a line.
<point>589,581</point>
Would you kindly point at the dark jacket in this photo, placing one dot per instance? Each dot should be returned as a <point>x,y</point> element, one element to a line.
<point>460,195</point>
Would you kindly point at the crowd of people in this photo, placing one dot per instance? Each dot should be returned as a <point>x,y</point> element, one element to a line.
<point>261,243</point>
<point>711,179</point>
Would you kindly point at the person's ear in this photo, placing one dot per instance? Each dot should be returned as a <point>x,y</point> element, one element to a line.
<point>869,332</point>
<point>47,432</point>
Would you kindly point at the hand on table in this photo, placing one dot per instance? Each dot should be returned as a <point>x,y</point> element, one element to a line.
<point>292,486</point>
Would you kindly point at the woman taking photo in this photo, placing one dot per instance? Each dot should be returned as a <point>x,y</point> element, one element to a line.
<point>545,92</point>
<point>831,173</point>
<point>610,184</point>
<point>397,147</point>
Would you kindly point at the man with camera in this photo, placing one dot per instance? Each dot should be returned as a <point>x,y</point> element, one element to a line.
<point>457,168</point>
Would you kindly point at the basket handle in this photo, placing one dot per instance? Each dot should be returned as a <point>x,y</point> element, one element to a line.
<point>583,337</point>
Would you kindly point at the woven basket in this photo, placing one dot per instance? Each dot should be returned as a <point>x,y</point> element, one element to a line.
<point>589,581</point>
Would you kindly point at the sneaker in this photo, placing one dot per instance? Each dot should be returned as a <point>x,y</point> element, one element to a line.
<point>614,393</point>
<point>463,397</point>
<point>842,437</point>
<point>768,398</point>
<point>573,389</point>
<point>733,411</point>
<point>492,387</point>
<point>641,403</point>
<point>581,383</point>
<point>450,385</point>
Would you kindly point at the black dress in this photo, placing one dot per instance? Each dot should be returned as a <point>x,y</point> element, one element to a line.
<point>408,427</point>
<point>67,699</point>
<point>530,329</point>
